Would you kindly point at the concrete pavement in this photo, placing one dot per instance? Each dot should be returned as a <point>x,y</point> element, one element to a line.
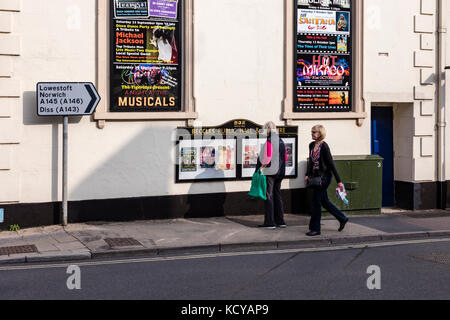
<point>84,241</point>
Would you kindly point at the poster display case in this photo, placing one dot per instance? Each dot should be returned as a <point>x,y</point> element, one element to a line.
<point>207,159</point>
<point>228,152</point>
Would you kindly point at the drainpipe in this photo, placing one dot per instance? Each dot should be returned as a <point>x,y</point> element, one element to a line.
<point>441,92</point>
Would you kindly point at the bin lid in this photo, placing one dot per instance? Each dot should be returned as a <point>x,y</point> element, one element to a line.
<point>358,158</point>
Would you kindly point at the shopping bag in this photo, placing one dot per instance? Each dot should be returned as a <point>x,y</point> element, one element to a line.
<point>259,186</point>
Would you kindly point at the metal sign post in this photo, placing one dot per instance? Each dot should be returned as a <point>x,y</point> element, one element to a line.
<point>65,169</point>
<point>66,99</point>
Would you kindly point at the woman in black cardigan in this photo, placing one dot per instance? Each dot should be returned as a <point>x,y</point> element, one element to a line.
<point>321,164</point>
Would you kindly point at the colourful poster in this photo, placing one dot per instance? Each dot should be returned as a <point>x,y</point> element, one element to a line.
<point>145,42</point>
<point>322,43</point>
<point>146,66</point>
<point>323,70</point>
<point>145,87</point>
<point>188,160</point>
<point>323,77</point>
<point>164,8</point>
<point>324,4</point>
<point>250,156</point>
<point>207,157</point>
<point>289,154</point>
<point>226,158</point>
<point>323,21</point>
<point>131,8</point>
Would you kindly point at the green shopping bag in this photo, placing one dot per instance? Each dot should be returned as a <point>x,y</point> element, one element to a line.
<point>259,186</point>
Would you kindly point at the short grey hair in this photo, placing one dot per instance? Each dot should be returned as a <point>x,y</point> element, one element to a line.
<point>271,127</point>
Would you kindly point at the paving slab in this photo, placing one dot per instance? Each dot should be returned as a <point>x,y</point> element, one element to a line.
<point>45,246</point>
<point>98,245</point>
<point>430,223</point>
<point>63,238</point>
<point>13,242</point>
<point>5,235</point>
<point>76,245</point>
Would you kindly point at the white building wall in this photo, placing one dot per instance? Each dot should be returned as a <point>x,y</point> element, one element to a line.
<point>238,73</point>
<point>447,92</point>
<point>400,70</point>
<point>10,91</point>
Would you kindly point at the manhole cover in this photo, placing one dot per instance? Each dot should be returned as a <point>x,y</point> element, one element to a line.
<point>443,258</point>
<point>122,242</point>
<point>17,249</point>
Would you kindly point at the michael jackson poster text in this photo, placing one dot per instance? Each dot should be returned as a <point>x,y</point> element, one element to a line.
<point>145,55</point>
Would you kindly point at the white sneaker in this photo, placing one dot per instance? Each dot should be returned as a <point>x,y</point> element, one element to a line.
<point>267,227</point>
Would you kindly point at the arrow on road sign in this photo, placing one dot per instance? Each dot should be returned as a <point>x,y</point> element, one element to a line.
<point>95,98</point>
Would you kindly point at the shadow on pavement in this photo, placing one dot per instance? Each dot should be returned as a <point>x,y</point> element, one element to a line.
<point>254,221</point>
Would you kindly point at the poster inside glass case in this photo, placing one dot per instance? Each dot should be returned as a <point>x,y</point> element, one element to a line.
<point>207,159</point>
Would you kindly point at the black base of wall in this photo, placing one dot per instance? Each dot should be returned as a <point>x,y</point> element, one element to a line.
<point>148,208</point>
<point>447,201</point>
<point>422,196</point>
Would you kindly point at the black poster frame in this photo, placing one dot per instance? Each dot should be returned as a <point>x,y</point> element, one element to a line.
<point>288,132</point>
<point>180,41</point>
<point>296,57</point>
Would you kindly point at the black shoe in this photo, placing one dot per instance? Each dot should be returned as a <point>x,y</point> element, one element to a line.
<point>267,227</point>
<point>342,225</point>
<point>313,234</point>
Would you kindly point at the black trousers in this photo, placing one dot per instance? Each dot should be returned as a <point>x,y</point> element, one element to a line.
<point>319,199</point>
<point>274,203</point>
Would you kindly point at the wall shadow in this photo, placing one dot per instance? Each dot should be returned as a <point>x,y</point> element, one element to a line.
<point>30,117</point>
<point>206,205</point>
<point>130,178</point>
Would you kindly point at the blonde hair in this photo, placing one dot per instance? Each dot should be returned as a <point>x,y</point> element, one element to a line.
<point>321,130</point>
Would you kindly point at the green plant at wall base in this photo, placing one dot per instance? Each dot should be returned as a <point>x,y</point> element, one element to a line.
<point>14,227</point>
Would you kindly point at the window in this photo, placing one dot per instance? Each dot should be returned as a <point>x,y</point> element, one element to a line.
<point>145,63</point>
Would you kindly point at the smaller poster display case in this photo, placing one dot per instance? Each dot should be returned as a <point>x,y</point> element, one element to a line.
<point>228,152</point>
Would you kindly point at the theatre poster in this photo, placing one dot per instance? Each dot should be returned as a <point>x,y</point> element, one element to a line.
<point>323,56</point>
<point>146,55</point>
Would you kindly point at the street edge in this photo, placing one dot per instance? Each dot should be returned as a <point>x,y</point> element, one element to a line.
<point>221,248</point>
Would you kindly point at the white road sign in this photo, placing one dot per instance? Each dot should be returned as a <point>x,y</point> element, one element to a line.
<point>66,98</point>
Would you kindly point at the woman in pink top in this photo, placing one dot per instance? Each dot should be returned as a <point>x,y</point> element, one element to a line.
<point>274,167</point>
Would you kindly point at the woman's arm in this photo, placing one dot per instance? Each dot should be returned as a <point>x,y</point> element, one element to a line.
<point>309,163</point>
<point>264,157</point>
<point>330,162</point>
<point>267,154</point>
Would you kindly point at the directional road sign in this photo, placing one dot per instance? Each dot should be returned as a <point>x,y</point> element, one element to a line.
<point>66,98</point>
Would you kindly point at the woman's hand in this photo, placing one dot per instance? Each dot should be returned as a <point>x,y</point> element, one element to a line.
<point>306,179</point>
<point>341,186</point>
